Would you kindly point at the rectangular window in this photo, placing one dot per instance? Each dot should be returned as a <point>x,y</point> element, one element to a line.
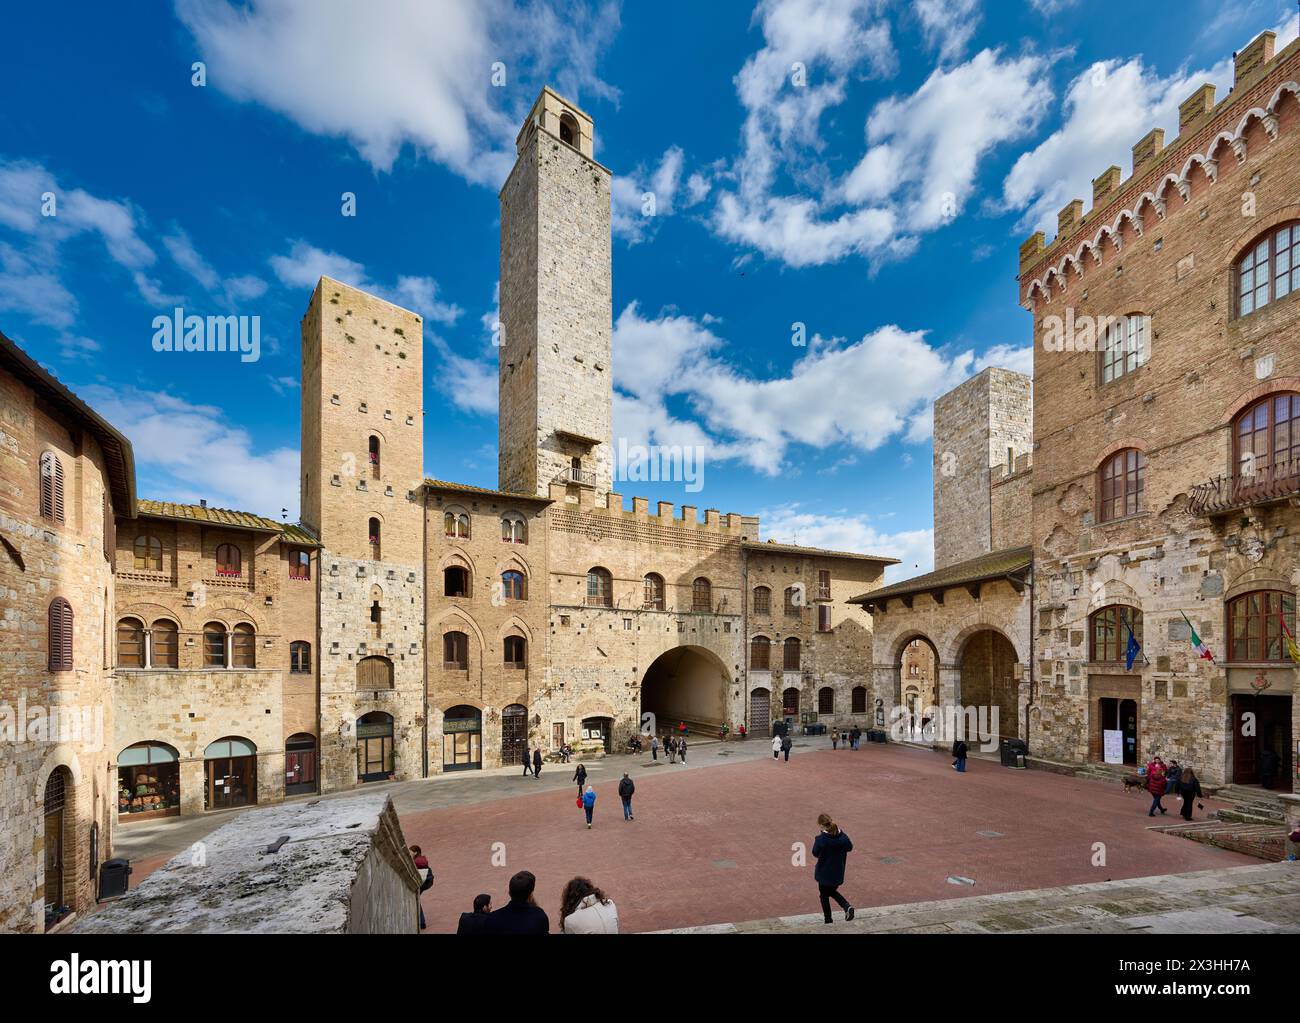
<point>299,565</point>
<point>823,618</point>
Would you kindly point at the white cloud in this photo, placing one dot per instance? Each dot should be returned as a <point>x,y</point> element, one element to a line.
<point>632,218</point>
<point>948,25</point>
<point>469,384</point>
<point>402,72</point>
<point>1016,359</point>
<point>859,394</point>
<point>190,451</point>
<point>790,523</point>
<point>1106,110</point>
<point>923,151</point>
<point>232,289</point>
<point>305,264</point>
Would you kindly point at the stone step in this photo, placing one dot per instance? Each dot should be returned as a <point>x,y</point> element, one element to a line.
<point>1246,817</point>
<point>1265,841</point>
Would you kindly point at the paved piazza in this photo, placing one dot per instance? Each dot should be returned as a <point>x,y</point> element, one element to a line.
<point>712,841</point>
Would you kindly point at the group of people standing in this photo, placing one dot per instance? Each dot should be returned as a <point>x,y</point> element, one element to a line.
<point>674,746</point>
<point>1171,780</point>
<point>849,738</point>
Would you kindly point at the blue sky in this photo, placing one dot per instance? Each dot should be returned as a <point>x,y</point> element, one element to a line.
<point>864,168</point>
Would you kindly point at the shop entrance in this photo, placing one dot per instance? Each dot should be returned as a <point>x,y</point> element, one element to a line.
<point>1120,715</point>
<point>231,767</point>
<point>374,746</point>
<point>299,764</point>
<point>1261,740</point>
<point>462,739</point>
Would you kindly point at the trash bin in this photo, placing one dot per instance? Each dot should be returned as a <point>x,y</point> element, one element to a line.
<point>113,879</point>
<point>1004,753</point>
<point>1017,753</point>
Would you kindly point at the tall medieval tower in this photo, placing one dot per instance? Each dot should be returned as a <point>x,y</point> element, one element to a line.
<point>362,478</point>
<point>556,307</point>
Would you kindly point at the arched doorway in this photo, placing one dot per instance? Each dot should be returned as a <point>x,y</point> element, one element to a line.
<point>514,733</point>
<point>760,712</point>
<point>988,683</point>
<point>685,685</point>
<point>374,746</point>
<point>462,739</point>
<point>231,768</point>
<point>599,730</point>
<point>918,680</point>
<point>299,764</point>
<point>148,781</point>
<point>58,794</point>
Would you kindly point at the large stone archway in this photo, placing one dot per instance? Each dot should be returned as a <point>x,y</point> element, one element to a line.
<point>987,666</point>
<point>686,684</point>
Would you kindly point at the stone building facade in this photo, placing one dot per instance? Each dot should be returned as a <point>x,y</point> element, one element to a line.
<point>65,473</point>
<point>1166,470</point>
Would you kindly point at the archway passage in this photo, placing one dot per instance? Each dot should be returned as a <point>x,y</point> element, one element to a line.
<point>988,682</point>
<point>686,685</point>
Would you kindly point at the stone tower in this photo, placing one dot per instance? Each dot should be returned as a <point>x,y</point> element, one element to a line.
<point>985,422</point>
<point>362,476</point>
<point>556,319</point>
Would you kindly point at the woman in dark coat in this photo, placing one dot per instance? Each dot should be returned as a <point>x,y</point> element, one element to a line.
<point>830,849</point>
<point>1189,786</point>
<point>580,777</point>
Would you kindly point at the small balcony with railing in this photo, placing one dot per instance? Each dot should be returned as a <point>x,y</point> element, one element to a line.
<point>1231,492</point>
<point>576,476</point>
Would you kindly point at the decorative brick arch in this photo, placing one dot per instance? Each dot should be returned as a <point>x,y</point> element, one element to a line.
<point>1263,390</point>
<point>1136,443</point>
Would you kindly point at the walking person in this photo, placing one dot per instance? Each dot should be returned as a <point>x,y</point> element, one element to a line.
<point>426,877</point>
<point>776,747</point>
<point>528,769</point>
<point>625,789</point>
<point>476,921</point>
<point>1156,778</point>
<point>580,776</point>
<point>585,909</point>
<point>589,804</point>
<point>1190,787</point>
<point>959,752</point>
<point>786,744</point>
<point>857,737</point>
<point>537,762</point>
<point>835,739</point>
<point>654,747</point>
<point>831,849</point>
<point>681,748</point>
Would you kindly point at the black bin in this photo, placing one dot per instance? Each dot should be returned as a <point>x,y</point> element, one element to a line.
<point>113,875</point>
<point>1014,752</point>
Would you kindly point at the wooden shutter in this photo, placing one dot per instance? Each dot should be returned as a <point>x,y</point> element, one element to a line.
<point>60,635</point>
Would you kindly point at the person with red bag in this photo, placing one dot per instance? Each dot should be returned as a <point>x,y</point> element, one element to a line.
<point>1156,784</point>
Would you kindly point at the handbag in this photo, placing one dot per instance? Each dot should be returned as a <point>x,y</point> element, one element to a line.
<point>579,802</point>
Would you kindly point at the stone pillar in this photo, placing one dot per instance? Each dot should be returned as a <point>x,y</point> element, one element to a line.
<point>193,780</point>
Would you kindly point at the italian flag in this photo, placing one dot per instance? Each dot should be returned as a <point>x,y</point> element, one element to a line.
<point>1202,651</point>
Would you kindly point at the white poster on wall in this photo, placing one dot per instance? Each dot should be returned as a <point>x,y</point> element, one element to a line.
<point>1113,746</point>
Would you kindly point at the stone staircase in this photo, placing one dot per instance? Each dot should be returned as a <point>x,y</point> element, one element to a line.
<point>1105,772</point>
<point>1263,841</point>
<point>1251,806</point>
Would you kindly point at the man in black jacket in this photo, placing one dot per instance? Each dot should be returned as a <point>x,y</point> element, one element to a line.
<point>528,763</point>
<point>625,790</point>
<point>537,762</point>
<point>477,921</point>
<point>521,915</point>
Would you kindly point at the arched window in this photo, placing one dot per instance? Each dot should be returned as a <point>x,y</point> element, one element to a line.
<point>1121,482</point>
<point>701,595</point>
<point>374,457</point>
<point>791,660</point>
<point>299,657</point>
<point>760,653</point>
<point>1269,269</point>
<point>1266,442</point>
<point>569,133</point>
<point>164,645</point>
<point>374,673</point>
<point>455,581</point>
<point>455,651</point>
<point>243,646</point>
<point>859,700</point>
<point>512,585</point>
<point>516,650</point>
<point>456,525</point>
<point>299,564</point>
<point>654,592</point>
<point>60,635</point>
<point>51,487</point>
<point>148,554</point>
<point>1124,348</point>
<point>1109,630</point>
<point>513,528</point>
<point>214,645</point>
<point>762,600</point>
<point>375,534</point>
<point>130,643</point>
<point>229,562</point>
<point>790,703</point>
<point>600,588</point>
<point>793,600</point>
<point>825,700</point>
<point>1255,625</point>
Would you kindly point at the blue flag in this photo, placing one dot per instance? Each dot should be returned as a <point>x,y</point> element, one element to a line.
<point>1133,649</point>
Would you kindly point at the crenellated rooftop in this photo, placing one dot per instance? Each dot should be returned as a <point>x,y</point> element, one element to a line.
<point>1207,133</point>
<point>743,526</point>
